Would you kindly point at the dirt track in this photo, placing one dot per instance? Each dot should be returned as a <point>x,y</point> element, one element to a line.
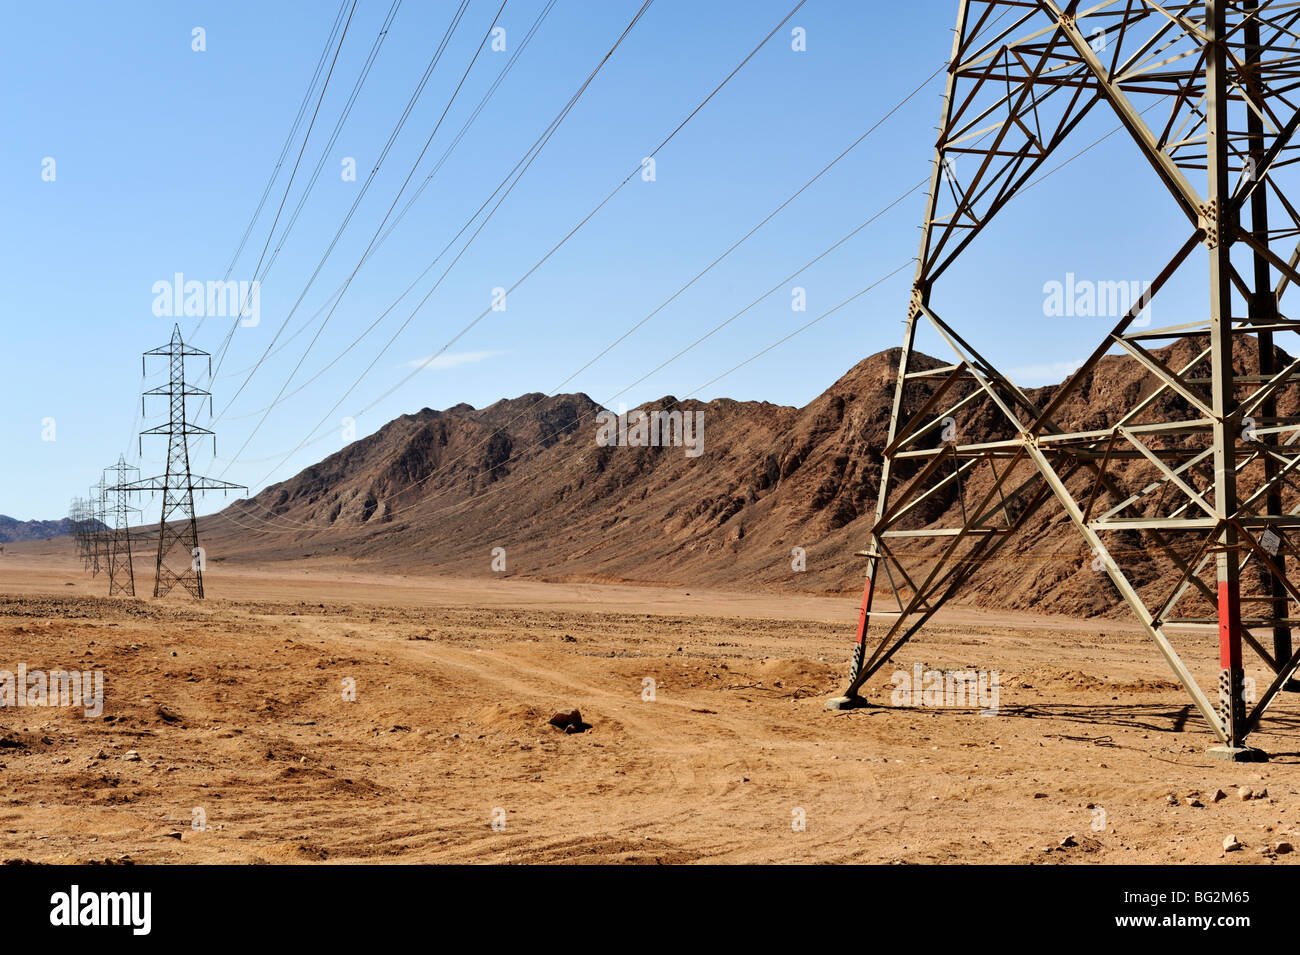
<point>235,707</point>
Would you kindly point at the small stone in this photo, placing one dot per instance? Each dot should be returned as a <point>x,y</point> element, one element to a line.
<point>1244,793</point>
<point>131,756</point>
<point>1217,796</point>
<point>1196,803</point>
<point>1040,795</point>
<point>1230,843</point>
<point>1262,794</point>
<point>1171,799</point>
<point>1283,848</point>
<point>1069,842</point>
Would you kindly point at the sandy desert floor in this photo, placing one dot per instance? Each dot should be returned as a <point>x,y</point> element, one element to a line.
<point>231,711</point>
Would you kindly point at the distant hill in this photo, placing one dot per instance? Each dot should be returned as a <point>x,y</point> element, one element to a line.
<point>440,491</point>
<point>12,530</point>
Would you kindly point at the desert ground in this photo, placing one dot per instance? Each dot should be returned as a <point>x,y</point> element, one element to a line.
<point>226,737</point>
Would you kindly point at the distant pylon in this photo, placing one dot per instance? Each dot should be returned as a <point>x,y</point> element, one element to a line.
<point>177,527</point>
<point>98,516</point>
<point>79,516</point>
<point>121,573</point>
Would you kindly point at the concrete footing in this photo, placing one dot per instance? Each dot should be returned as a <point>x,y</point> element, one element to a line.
<point>1237,754</point>
<point>845,703</point>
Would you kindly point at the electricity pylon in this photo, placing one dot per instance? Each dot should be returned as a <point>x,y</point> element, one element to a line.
<point>121,573</point>
<point>79,515</point>
<point>98,515</point>
<point>177,527</point>
<point>1201,467</point>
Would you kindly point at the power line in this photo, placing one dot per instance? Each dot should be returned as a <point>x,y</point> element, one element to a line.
<point>519,49</point>
<point>284,150</point>
<point>535,150</point>
<point>289,185</point>
<point>432,65</point>
<point>839,242</point>
<point>573,231</point>
<point>486,36</point>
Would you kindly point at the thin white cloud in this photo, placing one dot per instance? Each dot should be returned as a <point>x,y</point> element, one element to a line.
<point>452,359</point>
<point>1048,373</point>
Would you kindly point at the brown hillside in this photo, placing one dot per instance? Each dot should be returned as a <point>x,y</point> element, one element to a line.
<point>436,491</point>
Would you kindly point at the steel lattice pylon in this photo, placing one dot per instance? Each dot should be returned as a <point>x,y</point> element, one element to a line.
<point>1203,89</point>
<point>177,526</point>
<point>98,538</point>
<point>121,572</point>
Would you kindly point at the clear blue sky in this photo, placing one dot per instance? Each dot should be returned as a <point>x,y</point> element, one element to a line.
<point>161,153</point>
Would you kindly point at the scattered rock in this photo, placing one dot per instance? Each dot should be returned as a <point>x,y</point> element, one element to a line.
<point>1171,799</point>
<point>569,722</point>
<point>1244,793</point>
<point>1069,842</point>
<point>1283,848</point>
<point>1195,803</point>
<point>131,756</point>
<point>167,714</point>
<point>1262,794</point>
<point>1217,796</point>
<point>1230,843</point>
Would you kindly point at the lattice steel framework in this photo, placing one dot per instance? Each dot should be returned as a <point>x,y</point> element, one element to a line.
<point>1201,467</point>
<point>79,514</point>
<point>98,537</point>
<point>177,527</point>
<point>121,571</point>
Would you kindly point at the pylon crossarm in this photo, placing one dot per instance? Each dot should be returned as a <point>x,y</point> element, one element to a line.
<point>1127,591</point>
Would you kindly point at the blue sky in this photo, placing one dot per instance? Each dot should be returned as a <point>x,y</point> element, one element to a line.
<point>161,153</point>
